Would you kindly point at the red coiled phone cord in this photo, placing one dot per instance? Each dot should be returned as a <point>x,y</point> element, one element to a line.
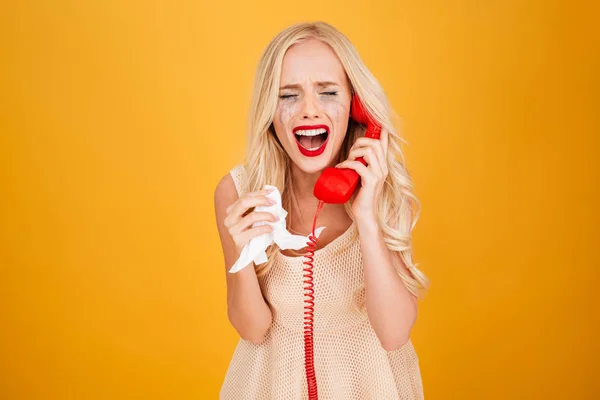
<point>309,309</point>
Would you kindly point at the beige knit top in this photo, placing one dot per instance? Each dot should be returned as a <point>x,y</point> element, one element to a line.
<point>350,363</point>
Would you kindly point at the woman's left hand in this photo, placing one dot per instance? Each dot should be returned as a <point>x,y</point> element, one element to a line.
<point>374,152</point>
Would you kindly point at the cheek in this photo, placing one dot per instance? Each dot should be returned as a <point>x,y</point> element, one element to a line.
<point>286,111</point>
<point>283,115</point>
<point>338,112</point>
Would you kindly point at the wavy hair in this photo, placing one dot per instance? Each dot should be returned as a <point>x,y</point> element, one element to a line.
<point>266,161</point>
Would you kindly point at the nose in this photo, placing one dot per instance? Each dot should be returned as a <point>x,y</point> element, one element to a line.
<point>310,108</point>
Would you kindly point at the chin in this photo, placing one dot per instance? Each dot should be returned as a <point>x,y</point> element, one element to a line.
<point>312,165</point>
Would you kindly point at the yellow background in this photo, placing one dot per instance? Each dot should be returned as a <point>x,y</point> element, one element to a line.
<point>118,119</point>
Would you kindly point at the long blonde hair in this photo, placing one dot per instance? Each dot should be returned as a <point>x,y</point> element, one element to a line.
<point>267,162</point>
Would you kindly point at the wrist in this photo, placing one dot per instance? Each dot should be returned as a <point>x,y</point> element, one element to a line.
<point>367,224</point>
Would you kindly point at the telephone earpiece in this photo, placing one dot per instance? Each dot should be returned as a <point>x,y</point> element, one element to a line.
<point>359,113</point>
<point>336,185</point>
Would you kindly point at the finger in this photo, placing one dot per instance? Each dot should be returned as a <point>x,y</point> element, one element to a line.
<point>384,137</point>
<point>377,144</point>
<point>250,219</point>
<point>370,156</point>
<point>380,151</point>
<point>364,141</point>
<point>365,175</point>
<point>245,203</point>
<point>247,235</point>
<point>262,192</point>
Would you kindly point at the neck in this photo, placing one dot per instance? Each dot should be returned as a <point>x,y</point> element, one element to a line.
<point>305,203</point>
<point>304,183</point>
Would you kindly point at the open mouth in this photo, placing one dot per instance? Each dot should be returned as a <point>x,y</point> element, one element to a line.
<point>311,140</point>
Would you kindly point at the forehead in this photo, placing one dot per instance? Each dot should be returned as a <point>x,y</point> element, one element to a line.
<point>311,60</point>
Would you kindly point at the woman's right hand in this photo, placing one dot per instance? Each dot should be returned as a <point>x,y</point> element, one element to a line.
<point>239,222</point>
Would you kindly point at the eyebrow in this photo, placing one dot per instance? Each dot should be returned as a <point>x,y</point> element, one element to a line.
<point>321,84</point>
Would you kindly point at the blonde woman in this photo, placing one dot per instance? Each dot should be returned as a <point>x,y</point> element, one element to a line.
<point>366,284</point>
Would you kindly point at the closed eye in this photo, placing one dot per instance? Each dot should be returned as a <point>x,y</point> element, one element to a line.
<point>287,96</point>
<point>330,93</point>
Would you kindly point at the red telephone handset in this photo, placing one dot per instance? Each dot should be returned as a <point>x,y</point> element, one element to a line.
<point>336,185</point>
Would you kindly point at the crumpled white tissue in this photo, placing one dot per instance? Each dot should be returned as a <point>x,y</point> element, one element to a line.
<point>255,250</point>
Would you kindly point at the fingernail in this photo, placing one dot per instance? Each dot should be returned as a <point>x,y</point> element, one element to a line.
<point>271,201</point>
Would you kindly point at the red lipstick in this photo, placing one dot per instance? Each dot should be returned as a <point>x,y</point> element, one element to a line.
<point>321,149</point>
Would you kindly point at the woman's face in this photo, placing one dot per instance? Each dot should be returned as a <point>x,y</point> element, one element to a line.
<point>314,104</point>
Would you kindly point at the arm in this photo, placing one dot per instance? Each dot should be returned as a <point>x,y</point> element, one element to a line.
<point>247,309</point>
<point>392,309</point>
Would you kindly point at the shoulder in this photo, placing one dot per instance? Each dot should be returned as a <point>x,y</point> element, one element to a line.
<point>228,189</point>
<point>225,189</point>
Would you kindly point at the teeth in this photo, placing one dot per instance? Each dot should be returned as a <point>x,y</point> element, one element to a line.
<point>311,132</point>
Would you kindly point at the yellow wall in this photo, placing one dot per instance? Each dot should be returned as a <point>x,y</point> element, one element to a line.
<point>118,118</point>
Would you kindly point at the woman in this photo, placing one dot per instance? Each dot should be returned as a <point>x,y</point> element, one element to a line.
<point>366,285</point>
